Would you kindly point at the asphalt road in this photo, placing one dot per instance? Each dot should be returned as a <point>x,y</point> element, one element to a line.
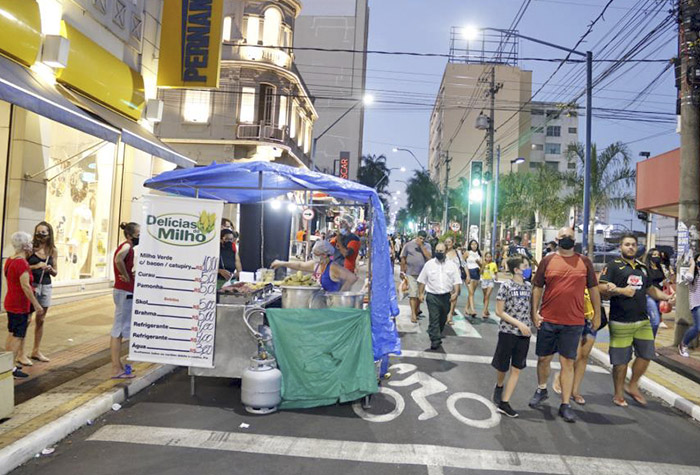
<point>446,426</point>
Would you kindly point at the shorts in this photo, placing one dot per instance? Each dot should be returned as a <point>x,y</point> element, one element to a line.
<point>123,302</point>
<point>43,294</point>
<point>17,324</point>
<point>412,286</point>
<point>510,351</point>
<point>625,336</point>
<point>474,274</point>
<point>563,339</point>
<point>487,284</point>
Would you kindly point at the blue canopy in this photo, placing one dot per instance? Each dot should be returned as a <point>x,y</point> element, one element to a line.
<point>254,182</point>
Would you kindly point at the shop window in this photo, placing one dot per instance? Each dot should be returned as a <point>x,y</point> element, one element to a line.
<point>228,24</point>
<point>197,106</point>
<point>283,112</point>
<point>247,113</point>
<point>272,27</point>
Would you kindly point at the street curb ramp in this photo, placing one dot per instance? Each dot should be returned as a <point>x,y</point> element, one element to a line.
<point>27,447</point>
<point>652,387</point>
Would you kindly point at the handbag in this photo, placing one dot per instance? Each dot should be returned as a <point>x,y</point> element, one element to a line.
<point>462,272</point>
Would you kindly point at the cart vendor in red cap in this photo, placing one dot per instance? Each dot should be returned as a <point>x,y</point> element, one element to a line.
<point>347,244</point>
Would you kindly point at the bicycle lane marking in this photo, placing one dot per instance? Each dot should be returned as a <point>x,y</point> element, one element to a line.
<point>383,453</point>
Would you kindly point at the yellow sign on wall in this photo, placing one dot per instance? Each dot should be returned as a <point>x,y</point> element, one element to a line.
<point>20,30</point>
<point>190,44</point>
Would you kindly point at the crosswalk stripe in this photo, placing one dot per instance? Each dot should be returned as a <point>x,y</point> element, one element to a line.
<point>463,328</point>
<point>371,452</point>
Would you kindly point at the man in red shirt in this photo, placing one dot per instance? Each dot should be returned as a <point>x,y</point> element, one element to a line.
<point>347,244</point>
<point>561,280</point>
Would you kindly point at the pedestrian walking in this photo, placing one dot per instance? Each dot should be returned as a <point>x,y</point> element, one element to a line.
<point>626,281</point>
<point>414,255</point>
<point>693,282</point>
<point>19,297</point>
<point>514,308</point>
<point>438,286</point>
<point>453,254</point>
<point>657,278</point>
<point>489,272</point>
<point>558,313</point>
<point>473,261</point>
<point>123,294</point>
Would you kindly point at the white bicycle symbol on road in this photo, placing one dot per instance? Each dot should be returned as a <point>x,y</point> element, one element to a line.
<point>428,387</point>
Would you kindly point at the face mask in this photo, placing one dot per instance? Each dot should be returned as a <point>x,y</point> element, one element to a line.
<point>656,260</point>
<point>440,256</point>
<point>226,244</point>
<point>527,273</point>
<point>41,236</point>
<point>135,241</point>
<point>566,243</point>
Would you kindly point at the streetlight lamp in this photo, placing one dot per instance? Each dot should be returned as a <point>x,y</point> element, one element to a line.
<point>589,118</point>
<point>400,149</point>
<point>366,100</point>
<point>516,161</point>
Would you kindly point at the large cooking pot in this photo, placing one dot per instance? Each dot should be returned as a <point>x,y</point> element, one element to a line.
<point>302,296</point>
<point>345,299</point>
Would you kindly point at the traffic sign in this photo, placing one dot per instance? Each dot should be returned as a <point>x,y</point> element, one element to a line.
<point>308,214</point>
<point>455,226</point>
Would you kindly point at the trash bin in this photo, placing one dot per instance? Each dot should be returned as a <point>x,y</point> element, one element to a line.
<point>7,385</point>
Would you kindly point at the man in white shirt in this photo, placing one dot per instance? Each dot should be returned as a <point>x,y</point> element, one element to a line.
<point>442,280</point>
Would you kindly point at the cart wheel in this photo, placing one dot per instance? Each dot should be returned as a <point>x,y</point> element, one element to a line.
<point>367,402</point>
<point>387,375</point>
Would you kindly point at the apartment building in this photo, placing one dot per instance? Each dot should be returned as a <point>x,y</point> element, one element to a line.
<point>553,128</point>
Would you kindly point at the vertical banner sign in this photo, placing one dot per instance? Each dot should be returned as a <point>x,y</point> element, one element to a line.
<point>344,165</point>
<point>190,44</point>
<point>174,315</point>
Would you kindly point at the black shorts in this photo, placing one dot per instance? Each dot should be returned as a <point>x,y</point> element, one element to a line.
<point>510,351</point>
<point>17,324</point>
<point>563,339</point>
<point>474,274</point>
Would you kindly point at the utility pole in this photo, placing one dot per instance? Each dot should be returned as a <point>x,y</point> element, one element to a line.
<point>446,198</point>
<point>689,203</point>
<point>493,90</point>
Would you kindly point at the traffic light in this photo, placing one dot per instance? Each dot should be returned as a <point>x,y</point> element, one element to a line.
<point>476,177</point>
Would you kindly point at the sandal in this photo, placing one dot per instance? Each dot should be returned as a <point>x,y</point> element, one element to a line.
<point>24,362</point>
<point>578,399</point>
<point>40,357</point>
<point>639,399</point>
<point>123,375</point>
<point>622,403</point>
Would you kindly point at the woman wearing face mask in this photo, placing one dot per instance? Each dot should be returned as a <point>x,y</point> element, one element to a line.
<point>332,277</point>
<point>657,279</point>
<point>123,296</point>
<point>692,279</point>
<point>229,260</point>
<point>19,297</point>
<point>43,263</point>
<point>473,262</point>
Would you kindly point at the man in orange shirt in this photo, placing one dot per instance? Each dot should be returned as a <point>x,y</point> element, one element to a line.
<point>347,244</point>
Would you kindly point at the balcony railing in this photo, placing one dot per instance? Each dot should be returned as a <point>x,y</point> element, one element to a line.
<point>263,54</point>
<point>271,133</point>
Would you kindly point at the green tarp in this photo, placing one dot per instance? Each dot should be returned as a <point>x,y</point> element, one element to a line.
<point>325,355</point>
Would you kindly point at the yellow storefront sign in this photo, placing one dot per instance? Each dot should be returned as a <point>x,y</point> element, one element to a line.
<point>98,74</point>
<point>20,30</point>
<point>190,44</point>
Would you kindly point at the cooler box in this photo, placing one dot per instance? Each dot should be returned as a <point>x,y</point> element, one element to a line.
<point>7,385</point>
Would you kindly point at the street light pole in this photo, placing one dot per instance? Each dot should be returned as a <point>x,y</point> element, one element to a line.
<point>399,149</point>
<point>495,199</point>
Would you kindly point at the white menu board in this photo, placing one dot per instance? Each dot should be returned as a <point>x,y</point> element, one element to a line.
<point>174,315</point>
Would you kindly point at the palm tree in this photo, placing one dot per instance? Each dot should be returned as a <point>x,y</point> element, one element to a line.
<point>424,197</point>
<point>374,173</point>
<point>612,176</point>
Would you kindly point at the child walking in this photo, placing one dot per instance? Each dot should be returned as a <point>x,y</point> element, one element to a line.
<point>513,307</point>
<point>489,272</point>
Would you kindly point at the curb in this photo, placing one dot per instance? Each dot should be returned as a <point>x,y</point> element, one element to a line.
<point>27,447</point>
<point>652,387</point>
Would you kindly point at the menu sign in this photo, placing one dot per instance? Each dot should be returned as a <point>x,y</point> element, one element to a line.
<point>174,316</point>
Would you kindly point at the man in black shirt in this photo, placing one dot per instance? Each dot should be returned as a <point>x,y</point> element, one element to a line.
<point>626,281</point>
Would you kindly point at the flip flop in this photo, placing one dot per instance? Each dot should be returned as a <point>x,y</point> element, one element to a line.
<point>26,362</point>
<point>41,358</point>
<point>123,376</point>
<point>622,403</point>
<point>556,384</point>
<point>639,399</point>
<point>579,400</point>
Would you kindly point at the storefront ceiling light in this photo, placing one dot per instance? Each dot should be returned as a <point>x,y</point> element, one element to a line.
<point>55,51</point>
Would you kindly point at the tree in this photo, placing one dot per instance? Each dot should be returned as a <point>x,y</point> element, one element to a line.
<point>374,173</point>
<point>403,217</point>
<point>424,197</point>
<point>612,176</point>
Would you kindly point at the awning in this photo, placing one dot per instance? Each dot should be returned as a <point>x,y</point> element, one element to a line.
<point>24,88</point>
<point>132,133</point>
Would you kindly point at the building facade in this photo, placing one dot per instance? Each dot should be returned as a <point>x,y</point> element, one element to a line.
<point>262,110</point>
<point>337,79</point>
<point>77,78</point>
<point>552,130</point>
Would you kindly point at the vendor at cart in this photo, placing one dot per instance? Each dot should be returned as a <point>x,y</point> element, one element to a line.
<point>229,260</point>
<point>333,277</point>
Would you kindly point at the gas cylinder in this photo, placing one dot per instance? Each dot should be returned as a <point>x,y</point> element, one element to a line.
<point>261,385</point>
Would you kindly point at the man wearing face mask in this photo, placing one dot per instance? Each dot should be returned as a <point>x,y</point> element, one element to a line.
<point>559,286</point>
<point>347,245</point>
<point>442,280</point>
<point>229,259</point>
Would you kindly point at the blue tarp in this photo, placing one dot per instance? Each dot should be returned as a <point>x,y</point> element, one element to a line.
<point>254,182</point>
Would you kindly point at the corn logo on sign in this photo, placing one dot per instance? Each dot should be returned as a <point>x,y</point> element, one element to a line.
<point>190,50</point>
<point>182,229</point>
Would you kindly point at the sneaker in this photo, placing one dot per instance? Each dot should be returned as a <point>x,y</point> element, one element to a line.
<point>504,408</point>
<point>567,413</point>
<point>497,394</point>
<point>18,373</point>
<point>663,325</point>
<point>540,396</point>
<point>683,351</point>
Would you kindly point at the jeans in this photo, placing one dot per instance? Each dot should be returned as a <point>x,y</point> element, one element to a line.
<point>654,314</point>
<point>438,308</point>
<point>692,332</point>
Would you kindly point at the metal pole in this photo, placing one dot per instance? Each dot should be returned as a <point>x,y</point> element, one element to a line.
<point>493,89</point>
<point>313,154</point>
<point>587,163</point>
<point>446,202</point>
<point>495,200</point>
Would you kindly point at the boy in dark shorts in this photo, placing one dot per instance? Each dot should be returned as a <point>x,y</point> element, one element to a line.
<point>514,308</point>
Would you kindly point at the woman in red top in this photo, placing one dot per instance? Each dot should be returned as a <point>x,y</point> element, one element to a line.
<point>20,296</point>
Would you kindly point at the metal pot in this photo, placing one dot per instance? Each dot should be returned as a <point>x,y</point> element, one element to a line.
<point>301,296</point>
<point>345,299</point>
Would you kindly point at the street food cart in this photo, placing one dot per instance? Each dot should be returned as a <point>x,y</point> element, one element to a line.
<point>257,182</point>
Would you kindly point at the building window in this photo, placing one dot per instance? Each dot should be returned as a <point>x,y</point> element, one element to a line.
<point>553,114</point>
<point>251,26</point>
<point>534,165</point>
<point>266,107</point>
<point>247,113</point>
<point>307,139</point>
<point>553,131</point>
<point>554,166</point>
<point>283,112</point>
<point>537,146</point>
<point>228,25</point>
<point>293,118</point>
<point>300,134</point>
<point>197,105</point>
<point>552,148</point>
<point>537,112</point>
<point>537,130</point>
<point>571,166</point>
<point>573,130</point>
<point>272,27</point>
